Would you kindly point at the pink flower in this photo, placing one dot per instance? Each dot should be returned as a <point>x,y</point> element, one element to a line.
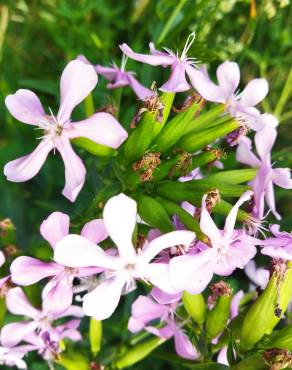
<point>230,249</point>
<point>77,81</point>
<point>163,307</point>
<point>259,276</point>
<point>118,77</point>
<point>180,66</point>
<point>241,105</point>
<point>58,293</point>
<point>278,246</point>
<point>40,320</point>
<point>121,271</point>
<point>267,176</point>
<point>13,356</point>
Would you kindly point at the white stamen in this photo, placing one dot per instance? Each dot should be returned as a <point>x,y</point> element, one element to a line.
<point>124,62</point>
<point>188,44</point>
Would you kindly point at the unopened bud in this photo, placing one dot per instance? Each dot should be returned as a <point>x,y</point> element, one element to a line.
<point>195,306</point>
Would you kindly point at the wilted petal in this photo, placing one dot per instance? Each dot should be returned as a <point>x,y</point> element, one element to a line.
<point>55,227</point>
<point>119,216</point>
<point>28,270</point>
<point>18,304</point>
<point>74,170</point>
<point>180,237</point>
<point>101,128</point>
<point>12,334</point>
<point>95,231</point>
<point>26,107</point>
<point>254,92</point>
<point>103,300</point>
<point>154,60</point>
<point>77,81</point>
<point>26,167</point>
<point>77,251</point>
<point>184,347</point>
<point>228,76</point>
<point>177,81</point>
<point>244,153</point>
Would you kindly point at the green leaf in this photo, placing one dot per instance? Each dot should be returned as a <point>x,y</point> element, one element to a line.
<point>95,335</point>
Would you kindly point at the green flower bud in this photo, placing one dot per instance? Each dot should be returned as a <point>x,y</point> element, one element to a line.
<point>218,317</point>
<point>267,310</point>
<point>254,362</point>
<point>167,99</point>
<point>195,306</point>
<point>195,141</point>
<point>283,339</point>
<point>95,335</point>
<point>152,211</point>
<point>234,176</point>
<point>94,148</point>
<point>138,352</point>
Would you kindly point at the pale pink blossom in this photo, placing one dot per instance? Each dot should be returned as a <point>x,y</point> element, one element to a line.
<point>77,81</point>
<point>279,245</point>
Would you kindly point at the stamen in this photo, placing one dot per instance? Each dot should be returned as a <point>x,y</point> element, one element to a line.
<point>188,44</point>
<point>124,62</point>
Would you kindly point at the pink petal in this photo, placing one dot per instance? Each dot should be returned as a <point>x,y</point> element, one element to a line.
<point>254,92</point>
<point>270,199</point>
<point>58,294</point>
<point>12,334</point>
<point>222,356</point>
<point>180,237</point>
<point>264,141</point>
<point>28,270</point>
<point>74,170</point>
<point>164,298</point>
<point>207,224</point>
<point>244,153</point>
<point>108,72</point>
<point>154,60</point>
<point>95,231</point>
<point>103,300</point>
<point>73,310</point>
<point>231,218</point>
<point>77,81</point>
<point>76,251</point>
<point>177,81</point>
<point>26,167</point>
<point>141,91</point>
<point>26,107</point>
<point>158,275</point>
<point>282,177</point>
<point>18,304</point>
<point>205,87</point>
<point>277,252</point>
<point>258,276</point>
<point>263,120</point>
<point>165,333</point>
<point>101,128</point>
<point>2,258</point>
<point>55,227</point>
<point>119,216</point>
<point>228,76</point>
<point>184,347</point>
<point>235,302</point>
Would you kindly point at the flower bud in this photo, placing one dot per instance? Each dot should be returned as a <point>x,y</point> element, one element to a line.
<point>267,310</point>
<point>138,352</point>
<point>197,140</point>
<point>152,211</point>
<point>218,317</point>
<point>167,99</point>
<point>195,306</point>
<point>234,176</point>
<point>254,362</point>
<point>94,148</point>
<point>283,338</point>
<point>95,335</point>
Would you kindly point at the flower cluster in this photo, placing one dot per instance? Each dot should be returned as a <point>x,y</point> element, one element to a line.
<point>159,230</point>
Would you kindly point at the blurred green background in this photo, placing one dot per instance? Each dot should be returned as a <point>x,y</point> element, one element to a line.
<point>38,38</point>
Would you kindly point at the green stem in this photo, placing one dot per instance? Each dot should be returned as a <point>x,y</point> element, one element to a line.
<point>284,95</point>
<point>89,106</point>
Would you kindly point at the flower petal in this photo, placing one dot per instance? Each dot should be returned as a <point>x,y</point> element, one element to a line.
<point>184,347</point>
<point>26,107</point>
<point>77,81</point>
<point>101,128</point>
<point>166,241</point>
<point>254,92</point>
<point>58,294</point>
<point>2,258</point>
<point>270,199</point>
<point>108,72</point>
<point>177,81</point>
<point>154,60</point>
<point>264,141</point>
<point>141,91</point>
<point>119,216</point>
<point>26,167</point>
<point>282,177</point>
<point>207,224</point>
<point>77,251</point>
<point>228,76</point>
<point>164,298</point>
<point>12,334</point>
<point>18,304</point>
<point>55,227</point>
<point>158,275</point>
<point>103,300</point>
<point>95,231</point>
<point>28,270</point>
<point>74,170</point>
<point>244,153</point>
